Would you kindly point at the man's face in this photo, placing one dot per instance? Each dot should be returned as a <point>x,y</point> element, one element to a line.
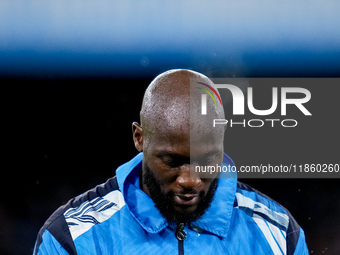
<point>168,156</point>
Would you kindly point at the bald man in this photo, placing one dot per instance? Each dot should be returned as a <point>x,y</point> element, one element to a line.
<point>157,204</point>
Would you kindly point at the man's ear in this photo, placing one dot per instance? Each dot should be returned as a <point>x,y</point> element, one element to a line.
<point>137,135</point>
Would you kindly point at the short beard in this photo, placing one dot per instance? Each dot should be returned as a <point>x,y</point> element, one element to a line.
<point>165,204</point>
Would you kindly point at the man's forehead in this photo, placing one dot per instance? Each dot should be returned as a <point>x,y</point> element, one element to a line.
<point>181,138</point>
<point>177,114</point>
<point>189,152</point>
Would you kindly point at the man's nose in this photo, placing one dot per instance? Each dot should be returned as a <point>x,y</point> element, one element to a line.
<point>185,180</point>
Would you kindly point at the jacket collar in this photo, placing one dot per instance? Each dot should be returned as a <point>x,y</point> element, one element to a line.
<point>215,220</point>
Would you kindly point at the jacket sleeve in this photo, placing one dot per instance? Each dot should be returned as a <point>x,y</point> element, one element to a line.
<point>301,246</point>
<point>55,237</point>
<point>48,245</point>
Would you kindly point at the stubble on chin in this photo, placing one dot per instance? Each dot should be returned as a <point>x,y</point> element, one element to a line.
<point>165,202</point>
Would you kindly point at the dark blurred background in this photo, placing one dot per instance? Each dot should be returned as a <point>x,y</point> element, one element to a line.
<point>73,74</point>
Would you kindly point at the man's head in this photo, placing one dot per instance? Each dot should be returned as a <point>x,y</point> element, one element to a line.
<point>175,137</point>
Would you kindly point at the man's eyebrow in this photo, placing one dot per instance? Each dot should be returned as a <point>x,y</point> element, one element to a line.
<point>212,153</point>
<point>169,153</point>
<point>179,156</point>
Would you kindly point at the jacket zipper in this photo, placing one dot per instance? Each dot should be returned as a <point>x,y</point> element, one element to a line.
<point>180,235</point>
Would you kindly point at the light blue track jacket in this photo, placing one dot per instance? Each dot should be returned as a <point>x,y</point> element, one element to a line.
<point>117,217</point>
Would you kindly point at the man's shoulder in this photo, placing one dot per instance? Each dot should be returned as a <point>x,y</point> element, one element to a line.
<point>275,221</point>
<point>81,213</point>
<point>247,196</point>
